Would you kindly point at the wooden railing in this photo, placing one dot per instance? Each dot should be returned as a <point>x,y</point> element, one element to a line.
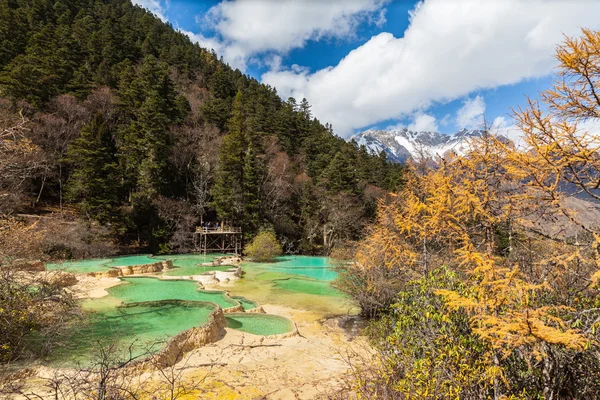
<point>220,229</point>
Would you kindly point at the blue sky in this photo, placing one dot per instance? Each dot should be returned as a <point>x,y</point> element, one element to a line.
<point>437,65</point>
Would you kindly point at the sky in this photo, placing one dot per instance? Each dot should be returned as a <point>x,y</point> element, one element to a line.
<point>431,65</point>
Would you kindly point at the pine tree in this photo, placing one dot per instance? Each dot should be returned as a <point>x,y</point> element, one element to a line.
<point>94,183</point>
<point>342,174</point>
<point>228,189</point>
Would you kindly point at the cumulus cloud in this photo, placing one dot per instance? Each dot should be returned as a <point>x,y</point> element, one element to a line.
<point>156,7</point>
<point>423,123</point>
<point>451,49</point>
<point>445,121</point>
<point>470,115</point>
<point>245,29</point>
<point>209,43</point>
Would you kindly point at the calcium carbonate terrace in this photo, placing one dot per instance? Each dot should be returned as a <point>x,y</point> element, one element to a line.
<point>152,308</point>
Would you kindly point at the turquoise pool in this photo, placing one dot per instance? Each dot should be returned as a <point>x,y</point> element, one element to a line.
<point>82,266</point>
<point>154,289</point>
<point>102,264</point>
<point>259,324</point>
<point>187,264</point>
<point>144,327</point>
<point>317,268</point>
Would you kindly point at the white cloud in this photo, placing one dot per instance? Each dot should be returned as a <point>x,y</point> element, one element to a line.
<point>450,49</point>
<point>423,123</point>
<point>589,126</point>
<point>499,122</point>
<point>470,115</point>
<point>446,120</point>
<point>156,7</point>
<point>208,43</point>
<point>500,126</point>
<point>247,28</point>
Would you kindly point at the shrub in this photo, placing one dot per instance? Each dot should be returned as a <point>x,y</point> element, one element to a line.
<point>264,247</point>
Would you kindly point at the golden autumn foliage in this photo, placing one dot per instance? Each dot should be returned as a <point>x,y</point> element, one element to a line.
<point>531,296</point>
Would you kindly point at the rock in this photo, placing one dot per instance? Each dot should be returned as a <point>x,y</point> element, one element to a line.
<point>207,279</point>
<point>226,260</point>
<point>187,341</point>
<point>158,266</point>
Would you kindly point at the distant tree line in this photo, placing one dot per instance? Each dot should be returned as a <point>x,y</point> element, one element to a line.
<point>136,128</point>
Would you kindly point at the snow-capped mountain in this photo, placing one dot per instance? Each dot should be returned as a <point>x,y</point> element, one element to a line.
<point>400,145</point>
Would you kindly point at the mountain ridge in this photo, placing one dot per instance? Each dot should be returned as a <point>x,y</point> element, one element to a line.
<point>403,144</point>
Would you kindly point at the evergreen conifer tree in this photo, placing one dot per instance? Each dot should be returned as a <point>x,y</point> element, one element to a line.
<point>94,183</point>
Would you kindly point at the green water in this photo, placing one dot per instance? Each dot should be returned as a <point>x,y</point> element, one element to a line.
<point>153,289</point>
<point>101,264</point>
<point>128,261</point>
<point>317,268</point>
<point>187,264</point>
<point>246,304</point>
<point>299,282</point>
<point>259,324</point>
<point>82,266</point>
<point>146,326</point>
<point>307,286</point>
<point>150,310</point>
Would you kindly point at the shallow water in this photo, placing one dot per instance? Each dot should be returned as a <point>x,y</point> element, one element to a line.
<point>259,324</point>
<point>128,261</point>
<point>82,266</point>
<point>307,286</point>
<point>246,304</point>
<point>300,282</point>
<point>187,264</point>
<point>102,264</point>
<point>318,268</point>
<point>153,289</point>
<point>145,326</point>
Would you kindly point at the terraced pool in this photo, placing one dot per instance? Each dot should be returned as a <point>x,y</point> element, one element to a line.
<point>101,264</point>
<point>154,289</point>
<point>293,281</point>
<point>82,266</point>
<point>316,268</point>
<point>315,287</point>
<point>185,264</point>
<point>246,304</point>
<point>149,310</point>
<point>259,324</point>
<point>128,261</point>
<point>146,327</point>
<point>188,264</point>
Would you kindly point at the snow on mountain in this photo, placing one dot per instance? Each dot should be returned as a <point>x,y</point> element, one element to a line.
<point>400,145</point>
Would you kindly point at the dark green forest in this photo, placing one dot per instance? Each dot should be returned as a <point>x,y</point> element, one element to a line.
<point>138,130</point>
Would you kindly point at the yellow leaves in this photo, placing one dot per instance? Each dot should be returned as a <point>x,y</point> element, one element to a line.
<point>509,330</point>
<point>456,301</point>
<point>595,278</point>
<point>446,373</point>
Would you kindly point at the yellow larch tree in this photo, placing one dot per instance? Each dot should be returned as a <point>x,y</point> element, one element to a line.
<point>506,219</point>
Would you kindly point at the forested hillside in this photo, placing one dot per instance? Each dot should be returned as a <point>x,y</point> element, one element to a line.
<point>110,114</point>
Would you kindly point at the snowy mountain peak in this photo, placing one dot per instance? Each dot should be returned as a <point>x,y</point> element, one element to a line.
<point>402,144</point>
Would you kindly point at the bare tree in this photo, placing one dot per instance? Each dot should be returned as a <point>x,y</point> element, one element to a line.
<point>278,184</point>
<point>196,155</point>
<point>20,159</point>
<point>117,373</point>
<point>180,219</point>
<point>342,215</point>
<point>54,132</point>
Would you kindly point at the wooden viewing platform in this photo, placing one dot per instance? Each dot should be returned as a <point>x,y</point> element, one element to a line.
<point>223,239</point>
